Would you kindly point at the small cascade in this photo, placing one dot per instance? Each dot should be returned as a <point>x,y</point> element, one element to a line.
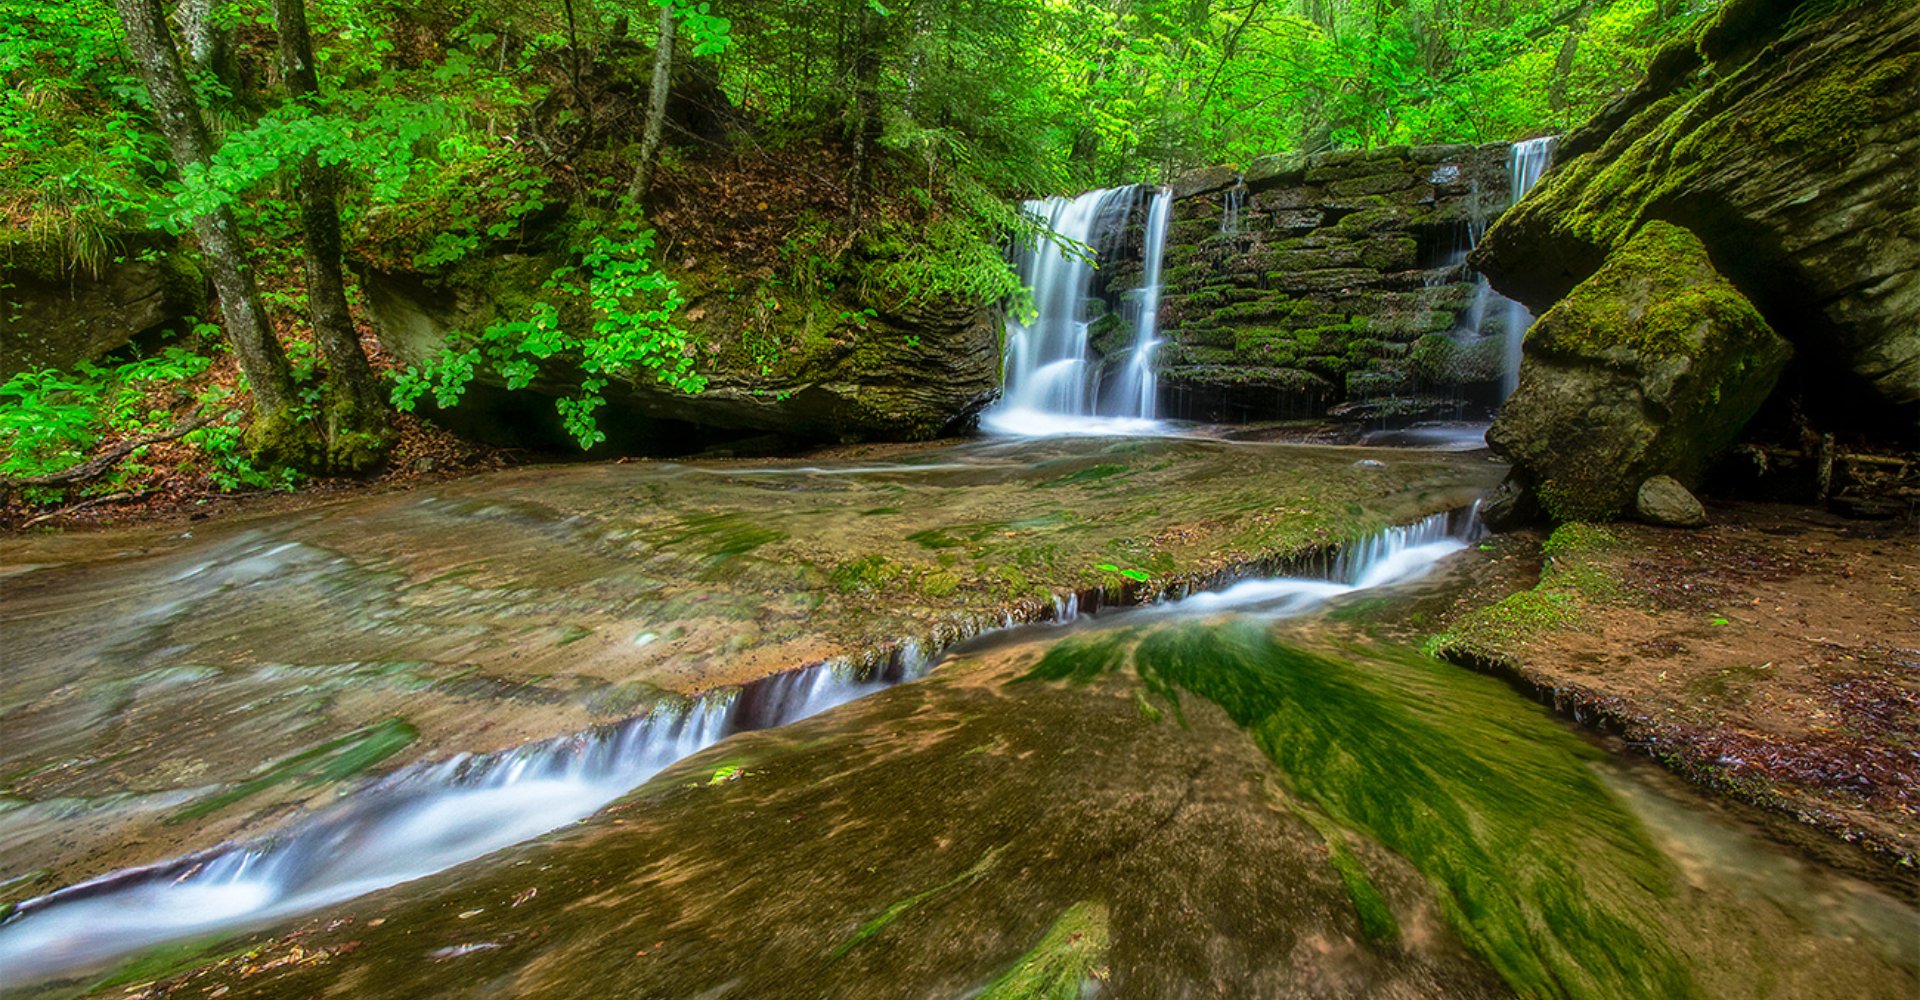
<point>431,816</point>
<point>1053,375</point>
<point>1232,203</point>
<point>420,820</point>
<point>1530,159</point>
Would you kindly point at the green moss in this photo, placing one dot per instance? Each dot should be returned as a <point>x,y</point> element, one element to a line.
<point>279,438</point>
<point>334,760</point>
<point>866,575</point>
<point>1569,581</point>
<point>1063,965</point>
<point>1540,869</point>
<point>895,911</point>
<point>1657,296</point>
<point>939,584</point>
<point>1828,120</point>
<point>724,536</point>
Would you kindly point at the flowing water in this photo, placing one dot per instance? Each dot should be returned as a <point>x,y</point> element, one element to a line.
<point>1232,786</point>
<point>1531,158</point>
<point>1056,383</point>
<point>432,816</point>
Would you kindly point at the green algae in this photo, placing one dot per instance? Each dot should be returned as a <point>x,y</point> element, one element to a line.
<point>726,535</point>
<point>1539,868</point>
<point>335,760</point>
<point>900,908</point>
<point>1568,580</point>
<point>1068,958</point>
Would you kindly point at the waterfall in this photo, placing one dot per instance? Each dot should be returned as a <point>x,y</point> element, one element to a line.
<point>1053,380</point>
<point>1530,159</point>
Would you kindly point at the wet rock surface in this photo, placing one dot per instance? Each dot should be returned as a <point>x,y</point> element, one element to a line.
<point>173,689</point>
<point>1180,809</point>
<point>1773,655</point>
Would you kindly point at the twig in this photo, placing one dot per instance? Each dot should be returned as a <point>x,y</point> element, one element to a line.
<point>82,505</point>
<point>109,458</point>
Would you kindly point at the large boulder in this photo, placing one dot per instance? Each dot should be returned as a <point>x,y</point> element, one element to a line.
<point>838,369</point>
<point>1786,136</point>
<point>53,315</point>
<point>1649,367</point>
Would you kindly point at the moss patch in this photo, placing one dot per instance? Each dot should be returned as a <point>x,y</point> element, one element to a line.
<point>1068,960</point>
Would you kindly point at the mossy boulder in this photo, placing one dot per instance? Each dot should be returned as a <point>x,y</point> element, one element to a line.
<point>54,314</point>
<point>1787,137</point>
<point>844,364</point>
<point>1648,368</point>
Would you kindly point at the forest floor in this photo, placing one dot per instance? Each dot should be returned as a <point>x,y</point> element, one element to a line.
<point>1773,655</point>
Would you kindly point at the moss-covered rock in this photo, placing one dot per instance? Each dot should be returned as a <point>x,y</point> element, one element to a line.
<point>841,364</point>
<point>1338,262</point>
<point>1648,368</point>
<point>54,314</point>
<point>1787,137</point>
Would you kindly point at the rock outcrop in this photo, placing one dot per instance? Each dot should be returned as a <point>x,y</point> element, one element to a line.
<point>1648,368</point>
<point>56,316</point>
<point>837,369</point>
<point>1333,280</point>
<point>1786,136</point>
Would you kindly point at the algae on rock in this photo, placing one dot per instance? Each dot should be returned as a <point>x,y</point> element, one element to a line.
<point>1648,368</point>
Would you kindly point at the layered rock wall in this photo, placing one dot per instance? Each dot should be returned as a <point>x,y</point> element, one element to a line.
<point>1332,281</point>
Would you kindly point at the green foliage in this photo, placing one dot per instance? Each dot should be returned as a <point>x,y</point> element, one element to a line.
<point>629,331</point>
<point>51,419</point>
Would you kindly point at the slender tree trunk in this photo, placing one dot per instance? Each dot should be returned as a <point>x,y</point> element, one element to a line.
<point>1563,64</point>
<point>274,434</point>
<point>656,124</point>
<point>358,429</point>
<point>866,106</point>
<point>207,46</point>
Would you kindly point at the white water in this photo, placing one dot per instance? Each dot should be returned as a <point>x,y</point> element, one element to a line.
<point>421,820</point>
<point>1396,555</point>
<point>1231,205</point>
<point>432,816</point>
<point>1530,159</point>
<point>1053,381</point>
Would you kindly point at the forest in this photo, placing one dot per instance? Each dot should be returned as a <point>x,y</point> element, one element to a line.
<point>821,142</point>
<point>990,499</point>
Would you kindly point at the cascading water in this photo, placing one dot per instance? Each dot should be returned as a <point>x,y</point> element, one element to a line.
<point>1530,159</point>
<point>1232,203</point>
<point>1527,160</point>
<point>1053,382</point>
<point>429,817</point>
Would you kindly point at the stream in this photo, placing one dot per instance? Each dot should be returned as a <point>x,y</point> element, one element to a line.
<point>1007,816</point>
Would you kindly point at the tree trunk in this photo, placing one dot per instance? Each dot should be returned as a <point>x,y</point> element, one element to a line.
<point>656,124</point>
<point>208,47</point>
<point>866,106</point>
<point>358,429</point>
<point>1563,64</point>
<point>274,434</point>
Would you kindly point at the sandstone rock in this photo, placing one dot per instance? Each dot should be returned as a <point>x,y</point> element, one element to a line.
<point>1794,155</point>
<point>1663,501</point>
<point>1648,368</point>
<point>825,371</point>
<point>55,317</point>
